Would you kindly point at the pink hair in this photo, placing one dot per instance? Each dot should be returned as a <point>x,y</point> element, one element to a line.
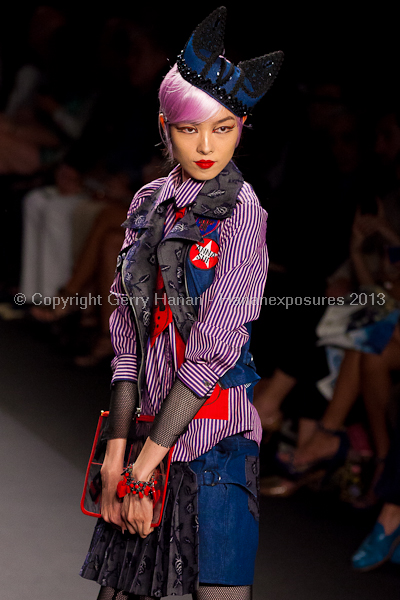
<point>180,101</point>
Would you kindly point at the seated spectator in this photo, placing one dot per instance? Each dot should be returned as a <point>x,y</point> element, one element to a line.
<point>370,334</point>
<point>314,444</point>
<point>94,267</point>
<point>47,234</point>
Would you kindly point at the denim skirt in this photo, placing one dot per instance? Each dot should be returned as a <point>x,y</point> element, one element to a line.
<point>208,534</point>
<point>227,478</point>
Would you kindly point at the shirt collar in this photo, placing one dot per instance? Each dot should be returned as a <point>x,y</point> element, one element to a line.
<point>184,193</point>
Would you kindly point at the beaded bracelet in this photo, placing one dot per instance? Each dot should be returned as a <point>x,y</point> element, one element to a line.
<point>131,486</point>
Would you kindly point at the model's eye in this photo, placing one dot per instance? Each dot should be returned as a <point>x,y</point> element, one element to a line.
<point>224,128</point>
<point>187,129</point>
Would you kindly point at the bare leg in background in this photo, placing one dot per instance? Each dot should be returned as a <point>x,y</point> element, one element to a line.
<point>269,395</point>
<point>321,444</point>
<point>377,386</point>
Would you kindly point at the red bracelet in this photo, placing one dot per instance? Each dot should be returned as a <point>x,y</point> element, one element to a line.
<point>132,486</point>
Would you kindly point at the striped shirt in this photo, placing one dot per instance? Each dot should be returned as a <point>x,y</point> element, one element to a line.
<point>216,338</point>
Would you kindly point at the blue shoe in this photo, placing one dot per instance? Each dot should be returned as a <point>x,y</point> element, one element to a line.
<point>376,549</point>
<point>396,555</point>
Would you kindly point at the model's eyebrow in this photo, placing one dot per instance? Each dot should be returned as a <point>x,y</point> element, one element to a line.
<point>224,120</point>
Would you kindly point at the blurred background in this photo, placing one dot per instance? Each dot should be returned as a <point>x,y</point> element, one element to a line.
<point>78,137</point>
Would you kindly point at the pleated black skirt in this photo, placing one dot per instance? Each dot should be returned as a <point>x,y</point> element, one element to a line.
<point>162,564</point>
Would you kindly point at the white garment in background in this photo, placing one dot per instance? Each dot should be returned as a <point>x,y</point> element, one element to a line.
<point>47,241</point>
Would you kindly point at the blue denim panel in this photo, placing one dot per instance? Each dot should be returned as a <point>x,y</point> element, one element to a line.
<point>228,530</point>
<point>244,371</point>
<point>198,280</point>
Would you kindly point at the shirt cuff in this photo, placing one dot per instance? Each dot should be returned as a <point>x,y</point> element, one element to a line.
<point>198,378</point>
<point>124,367</point>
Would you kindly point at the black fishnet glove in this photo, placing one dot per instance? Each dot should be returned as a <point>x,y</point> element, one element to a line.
<point>123,402</point>
<point>177,410</point>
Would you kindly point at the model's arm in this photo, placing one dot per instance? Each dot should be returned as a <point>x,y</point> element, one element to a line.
<point>122,408</point>
<point>123,395</point>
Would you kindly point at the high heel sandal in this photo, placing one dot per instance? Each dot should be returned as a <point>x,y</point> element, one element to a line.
<point>270,427</point>
<point>274,485</point>
<point>302,474</point>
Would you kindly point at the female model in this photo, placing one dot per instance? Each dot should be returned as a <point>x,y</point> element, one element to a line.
<point>193,265</point>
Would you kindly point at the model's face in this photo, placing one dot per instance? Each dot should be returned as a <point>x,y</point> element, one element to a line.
<point>203,150</point>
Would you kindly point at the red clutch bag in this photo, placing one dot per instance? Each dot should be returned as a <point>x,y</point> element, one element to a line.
<point>91,496</point>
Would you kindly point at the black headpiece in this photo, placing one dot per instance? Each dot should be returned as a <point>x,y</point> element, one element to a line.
<point>238,88</point>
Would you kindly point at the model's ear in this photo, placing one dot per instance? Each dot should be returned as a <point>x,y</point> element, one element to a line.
<point>244,119</point>
<point>162,120</point>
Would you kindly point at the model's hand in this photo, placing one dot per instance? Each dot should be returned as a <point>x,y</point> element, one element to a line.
<point>137,514</point>
<point>110,503</point>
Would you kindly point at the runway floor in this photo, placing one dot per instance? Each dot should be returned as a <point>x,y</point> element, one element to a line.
<point>48,411</point>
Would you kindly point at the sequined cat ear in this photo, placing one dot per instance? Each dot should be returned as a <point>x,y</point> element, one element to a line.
<point>202,64</point>
<point>207,39</point>
<point>260,73</point>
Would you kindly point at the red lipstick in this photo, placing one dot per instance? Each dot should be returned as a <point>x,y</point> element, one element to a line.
<point>205,164</point>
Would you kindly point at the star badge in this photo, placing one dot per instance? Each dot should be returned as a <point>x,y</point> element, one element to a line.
<point>204,255</point>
